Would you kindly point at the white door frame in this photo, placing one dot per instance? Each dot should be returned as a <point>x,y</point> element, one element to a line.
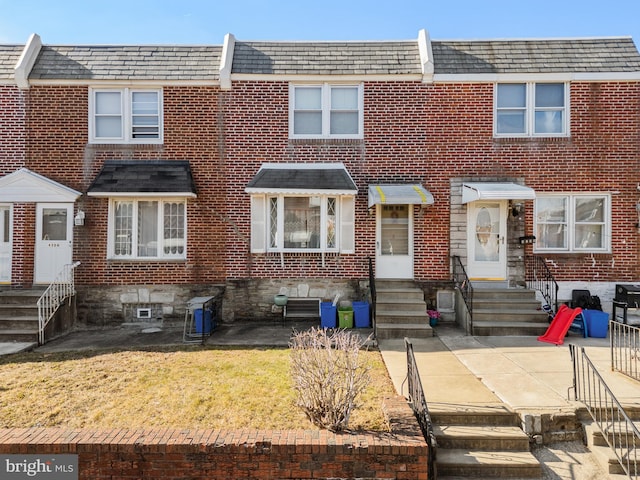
<point>486,240</point>
<point>52,254</point>
<point>6,242</point>
<point>390,264</point>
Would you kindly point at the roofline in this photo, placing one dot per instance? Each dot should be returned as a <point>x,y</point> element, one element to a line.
<point>533,39</point>
<point>136,82</point>
<point>99,194</point>
<point>523,77</point>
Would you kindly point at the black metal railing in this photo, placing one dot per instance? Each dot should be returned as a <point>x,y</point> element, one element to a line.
<point>372,292</point>
<point>625,348</point>
<point>617,428</point>
<point>420,409</point>
<point>462,283</point>
<point>539,277</point>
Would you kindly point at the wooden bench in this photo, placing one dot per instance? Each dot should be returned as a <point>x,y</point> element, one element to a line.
<point>301,307</point>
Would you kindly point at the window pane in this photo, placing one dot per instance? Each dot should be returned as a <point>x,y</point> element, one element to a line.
<point>551,236</point>
<point>123,228</point>
<point>589,236</point>
<point>512,95</point>
<point>144,103</point>
<point>551,217</point>
<point>344,123</point>
<point>173,240</point>
<point>549,122</point>
<point>54,224</point>
<point>108,103</point>
<point>108,127</point>
<point>552,209</point>
<point>273,222</point>
<point>308,98</point>
<point>302,222</point>
<point>590,210</point>
<point>145,119</point>
<point>332,219</point>
<point>549,95</point>
<point>148,229</point>
<point>511,121</point>
<point>344,98</point>
<point>307,123</point>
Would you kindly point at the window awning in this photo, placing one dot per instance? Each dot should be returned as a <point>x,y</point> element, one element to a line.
<point>144,178</point>
<point>409,194</point>
<point>496,191</point>
<point>303,179</point>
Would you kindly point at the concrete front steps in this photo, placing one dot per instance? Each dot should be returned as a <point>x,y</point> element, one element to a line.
<point>507,311</point>
<point>401,310</point>
<point>19,315</point>
<point>597,444</point>
<point>481,442</point>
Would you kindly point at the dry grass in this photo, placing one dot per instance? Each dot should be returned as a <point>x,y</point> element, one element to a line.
<point>183,387</point>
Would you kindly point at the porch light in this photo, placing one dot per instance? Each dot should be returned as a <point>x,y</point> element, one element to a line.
<point>78,220</point>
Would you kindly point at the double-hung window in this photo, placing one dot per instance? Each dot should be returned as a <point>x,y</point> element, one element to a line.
<point>326,111</point>
<point>531,110</point>
<point>147,229</point>
<point>573,223</point>
<point>125,115</point>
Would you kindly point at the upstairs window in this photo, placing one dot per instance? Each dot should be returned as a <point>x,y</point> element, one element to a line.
<point>326,111</point>
<point>573,223</point>
<point>125,116</point>
<point>531,110</point>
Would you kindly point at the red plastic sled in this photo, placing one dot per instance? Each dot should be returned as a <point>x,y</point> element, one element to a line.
<point>560,325</point>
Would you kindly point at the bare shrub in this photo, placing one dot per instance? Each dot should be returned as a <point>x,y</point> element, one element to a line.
<point>328,375</point>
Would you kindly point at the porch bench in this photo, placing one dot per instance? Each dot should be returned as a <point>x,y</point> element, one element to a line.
<point>301,307</point>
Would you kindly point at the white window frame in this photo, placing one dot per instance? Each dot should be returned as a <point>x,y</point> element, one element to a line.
<point>126,113</point>
<point>530,110</point>
<point>162,201</point>
<point>326,89</point>
<point>571,223</point>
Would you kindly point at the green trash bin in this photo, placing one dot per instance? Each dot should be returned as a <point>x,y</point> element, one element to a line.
<point>345,317</point>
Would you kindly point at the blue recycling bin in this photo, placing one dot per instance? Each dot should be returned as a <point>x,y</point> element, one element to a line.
<point>597,323</point>
<point>206,326</point>
<point>361,314</point>
<point>328,315</point>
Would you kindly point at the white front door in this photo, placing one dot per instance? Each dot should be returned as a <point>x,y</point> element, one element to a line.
<point>486,240</point>
<point>5,244</point>
<point>54,240</point>
<point>394,241</point>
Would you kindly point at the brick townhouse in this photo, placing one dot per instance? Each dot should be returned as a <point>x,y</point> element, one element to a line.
<point>250,168</point>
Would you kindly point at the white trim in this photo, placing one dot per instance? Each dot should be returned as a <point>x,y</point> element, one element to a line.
<point>537,77</point>
<point>324,78</point>
<point>115,83</point>
<point>472,191</point>
<point>25,186</point>
<point>27,60</point>
<point>426,56</point>
<point>226,61</point>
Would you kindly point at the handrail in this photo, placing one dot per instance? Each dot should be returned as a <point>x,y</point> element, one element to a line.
<point>539,277</point>
<point>372,291</point>
<point>463,284</point>
<point>420,409</point>
<point>625,348</point>
<point>617,428</point>
<point>61,288</point>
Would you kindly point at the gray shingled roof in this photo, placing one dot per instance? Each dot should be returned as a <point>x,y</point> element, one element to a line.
<point>289,178</point>
<point>536,56</point>
<point>141,62</point>
<point>9,55</point>
<point>326,58</point>
<point>144,176</point>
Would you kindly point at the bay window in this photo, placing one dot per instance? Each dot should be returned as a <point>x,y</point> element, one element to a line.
<point>147,229</point>
<point>573,223</point>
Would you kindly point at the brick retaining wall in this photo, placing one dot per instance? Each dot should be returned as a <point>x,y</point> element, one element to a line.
<point>172,454</point>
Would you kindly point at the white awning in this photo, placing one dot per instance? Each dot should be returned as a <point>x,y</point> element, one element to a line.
<point>399,195</point>
<point>496,191</point>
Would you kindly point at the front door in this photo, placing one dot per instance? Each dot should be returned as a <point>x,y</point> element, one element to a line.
<point>54,240</point>
<point>486,240</point>
<point>5,244</point>
<point>394,242</point>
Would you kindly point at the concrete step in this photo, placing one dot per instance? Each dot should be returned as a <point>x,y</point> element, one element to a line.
<point>20,322</point>
<point>19,335</point>
<point>509,315</point>
<point>399,304</point>
<point>402,316</point>
<point>18,310</point>
<point>507,304</point>
<point>498,328</point>
<point>397,294</point>
<point>604,454</point>
<point>484,464</point>
<point>481,437</point>
<point>497,415</point>
<point>386,331</point>
<point>503,294</point>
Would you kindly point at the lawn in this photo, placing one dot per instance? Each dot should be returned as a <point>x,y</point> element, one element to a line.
<point>181,387</point>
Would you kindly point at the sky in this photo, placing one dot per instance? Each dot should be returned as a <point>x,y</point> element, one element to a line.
<point>196,22</point>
